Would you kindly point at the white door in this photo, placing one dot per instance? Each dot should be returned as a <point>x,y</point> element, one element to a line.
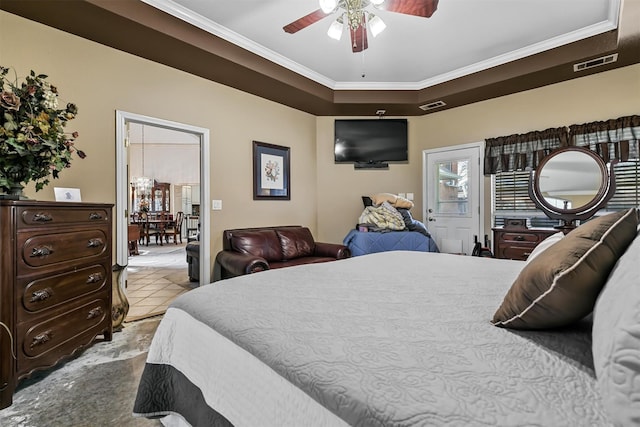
<point>452,195</point>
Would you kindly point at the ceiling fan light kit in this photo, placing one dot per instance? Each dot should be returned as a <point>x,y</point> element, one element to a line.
<point>328,6</point>
<point>358,18</point>
<point>335,29</point>
<point>376,25</point>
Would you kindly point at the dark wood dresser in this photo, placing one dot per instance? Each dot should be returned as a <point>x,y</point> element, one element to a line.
<point>516,241</point>
<point>55,284</point>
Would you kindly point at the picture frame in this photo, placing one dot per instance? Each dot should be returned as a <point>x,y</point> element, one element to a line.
<point>271,172</point>
<point>67,194</point>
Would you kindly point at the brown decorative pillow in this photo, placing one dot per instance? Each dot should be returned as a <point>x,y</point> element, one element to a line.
<point>561,285</point>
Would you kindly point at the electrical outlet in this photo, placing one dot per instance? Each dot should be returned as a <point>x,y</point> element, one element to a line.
<point>216,205</point>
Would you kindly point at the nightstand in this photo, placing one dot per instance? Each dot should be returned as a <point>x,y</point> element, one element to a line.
<point>517,241</point>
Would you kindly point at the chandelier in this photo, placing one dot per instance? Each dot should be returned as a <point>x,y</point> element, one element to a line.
<point>354,15</point>
<point>143,183</point>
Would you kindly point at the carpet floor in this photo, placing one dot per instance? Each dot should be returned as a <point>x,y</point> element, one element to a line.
<point>95,389</point>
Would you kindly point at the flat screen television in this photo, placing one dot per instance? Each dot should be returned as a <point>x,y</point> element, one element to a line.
<point>371,142</point>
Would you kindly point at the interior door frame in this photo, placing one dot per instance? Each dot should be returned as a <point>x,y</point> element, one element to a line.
<point>481,183</point>
<point>122,187</point>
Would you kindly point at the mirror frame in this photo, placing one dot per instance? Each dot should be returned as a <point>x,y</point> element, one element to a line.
<point>586,211</point>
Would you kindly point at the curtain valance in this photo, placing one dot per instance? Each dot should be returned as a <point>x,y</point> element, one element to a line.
<point>522,151</point>
<point>615,139</point>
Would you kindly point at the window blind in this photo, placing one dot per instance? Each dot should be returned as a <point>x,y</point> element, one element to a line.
<point>511,195</point>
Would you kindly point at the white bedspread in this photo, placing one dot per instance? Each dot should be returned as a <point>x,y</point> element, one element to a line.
<point>388,339</point>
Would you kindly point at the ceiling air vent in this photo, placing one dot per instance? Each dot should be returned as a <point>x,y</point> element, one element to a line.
<point>581,66</point>
<point>433,105</point>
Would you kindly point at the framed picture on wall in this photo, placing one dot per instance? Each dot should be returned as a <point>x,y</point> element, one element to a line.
<point>271,171</point>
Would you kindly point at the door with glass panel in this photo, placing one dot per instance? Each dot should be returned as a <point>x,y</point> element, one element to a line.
<point>452,179</point>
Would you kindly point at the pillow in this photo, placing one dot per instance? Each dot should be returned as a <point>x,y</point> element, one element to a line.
<point>554,238</point>
<point>296,242</point>
<point>395,201</point>
<point>561,284</point>
<point>616,340</point>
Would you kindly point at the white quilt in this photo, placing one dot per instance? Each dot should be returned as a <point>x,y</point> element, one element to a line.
<point>388,339</point>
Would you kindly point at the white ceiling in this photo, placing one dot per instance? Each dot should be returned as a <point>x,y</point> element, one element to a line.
<point>169,155</point>
<point>462,37</point>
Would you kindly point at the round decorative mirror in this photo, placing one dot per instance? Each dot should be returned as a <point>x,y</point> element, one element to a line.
<point>571,184</point>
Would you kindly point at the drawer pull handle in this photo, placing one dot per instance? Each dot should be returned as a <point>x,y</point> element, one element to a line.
<point>41,252</point>
<point>42,217</point>
<point>95,216</point>
<point>93,278</point>
<point>518,238</point>
<point>94,243</point>
<point>41,295</point>
<point>94,312</point>
<point>41,339</point>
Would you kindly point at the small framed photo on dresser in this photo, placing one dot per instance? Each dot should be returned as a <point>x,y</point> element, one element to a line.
<point>271,172</point>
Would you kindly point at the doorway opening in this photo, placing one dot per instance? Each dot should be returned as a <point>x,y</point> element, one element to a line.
<point>163,198</point>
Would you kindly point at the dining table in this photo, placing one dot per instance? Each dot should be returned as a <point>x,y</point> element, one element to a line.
<point>153,225</point>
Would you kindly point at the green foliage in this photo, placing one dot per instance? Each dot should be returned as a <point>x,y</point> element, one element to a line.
<point>33,143</point>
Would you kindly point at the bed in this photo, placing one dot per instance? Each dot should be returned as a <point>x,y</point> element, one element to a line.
<point>399,338</point>
<point>363,243</point>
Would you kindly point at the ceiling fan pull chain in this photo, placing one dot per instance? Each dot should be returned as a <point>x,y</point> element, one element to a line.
<point>364,73</point>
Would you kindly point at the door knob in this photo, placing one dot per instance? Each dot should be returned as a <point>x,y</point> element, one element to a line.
<point>431,218</point>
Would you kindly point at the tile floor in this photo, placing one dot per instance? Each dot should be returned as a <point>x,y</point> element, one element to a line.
<point>155,278</point>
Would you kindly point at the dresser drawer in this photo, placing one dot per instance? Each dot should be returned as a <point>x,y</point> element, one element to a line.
<point>51,291</point>
<point>52,216</point>
<point>523,238</point>
<point>514,243</point>
<point>39,250</point>
<point>516,252</point>
<point>47,338</point>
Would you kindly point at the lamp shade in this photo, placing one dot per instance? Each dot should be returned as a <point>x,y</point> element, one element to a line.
<point>335,30</point>
<point>328,6</point>
<point>376,25</point>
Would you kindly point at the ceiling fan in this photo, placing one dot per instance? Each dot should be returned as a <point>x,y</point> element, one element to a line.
<point>355,15</point>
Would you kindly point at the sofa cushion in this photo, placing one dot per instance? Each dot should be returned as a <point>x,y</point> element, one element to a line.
<point>296,242</point>
<point>262,243</point>
<point>299,261</point>
<point>560,286</point>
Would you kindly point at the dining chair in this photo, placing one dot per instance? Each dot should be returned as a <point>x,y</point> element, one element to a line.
<point>174,228</point>
<point>156,226</point>
<point>133,236</point>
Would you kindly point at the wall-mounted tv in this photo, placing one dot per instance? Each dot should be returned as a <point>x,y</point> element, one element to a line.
<point>371,142</point>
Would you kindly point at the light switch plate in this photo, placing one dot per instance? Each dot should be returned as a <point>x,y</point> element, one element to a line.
<point>410,196</point>
<point>216,205</point>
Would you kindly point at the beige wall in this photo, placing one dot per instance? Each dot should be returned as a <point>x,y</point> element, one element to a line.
<point>101,80</point>
<point>598,97</point>
<point>325,196</point>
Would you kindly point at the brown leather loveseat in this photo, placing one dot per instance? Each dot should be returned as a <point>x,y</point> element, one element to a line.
<point>250,250</point>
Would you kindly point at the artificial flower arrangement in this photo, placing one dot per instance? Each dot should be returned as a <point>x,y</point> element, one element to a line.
<point>33,143</point>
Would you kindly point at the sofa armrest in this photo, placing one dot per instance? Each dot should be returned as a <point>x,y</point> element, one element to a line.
<point>237,264</point>
<point>333,250</point>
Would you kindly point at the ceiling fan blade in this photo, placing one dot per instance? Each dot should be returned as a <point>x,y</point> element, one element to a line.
<point>305,21</point>
<point>359,37</point>
<point>424,8</point>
